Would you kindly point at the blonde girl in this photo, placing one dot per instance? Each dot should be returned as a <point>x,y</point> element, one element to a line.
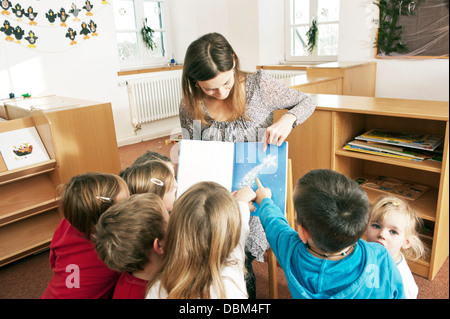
<point>154,176</point>
<point>73,259</point>
<point>204,252</point>
<point>394,224</point>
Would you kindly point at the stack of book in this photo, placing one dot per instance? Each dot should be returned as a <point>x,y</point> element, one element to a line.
<point>405,145</point>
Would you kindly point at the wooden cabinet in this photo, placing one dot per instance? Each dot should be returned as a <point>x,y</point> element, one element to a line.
<point>28,202</point>
<point>346,78</point>
<point>318,143</point>
<point>79,136</point>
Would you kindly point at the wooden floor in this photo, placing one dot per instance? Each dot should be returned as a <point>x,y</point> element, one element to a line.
<point>28,278</point>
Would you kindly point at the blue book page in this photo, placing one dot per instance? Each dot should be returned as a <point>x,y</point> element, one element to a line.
<point>270,167</point>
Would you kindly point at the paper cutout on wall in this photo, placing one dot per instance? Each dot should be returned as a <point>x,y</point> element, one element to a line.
<point>7,30</point>
<point>30,14</point>
<point>52,26</point>
<point>31,38</point>
<point>5,6</point>
<point>18,11</point>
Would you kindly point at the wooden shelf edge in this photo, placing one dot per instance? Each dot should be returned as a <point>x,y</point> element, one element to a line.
<point>28,212</point>
<point>420,267</point>
<point>4,260</point>
<point>430,166</point>
<point>27,171</point>
<point>27,236</point>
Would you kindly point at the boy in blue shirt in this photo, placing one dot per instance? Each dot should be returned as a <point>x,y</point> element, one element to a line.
<point>327,258</point>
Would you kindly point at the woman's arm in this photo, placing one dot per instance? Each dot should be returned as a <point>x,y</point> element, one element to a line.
<point>277,96</point>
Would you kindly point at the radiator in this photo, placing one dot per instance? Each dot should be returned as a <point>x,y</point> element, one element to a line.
<point>278,74</point>
<point>154,98</point>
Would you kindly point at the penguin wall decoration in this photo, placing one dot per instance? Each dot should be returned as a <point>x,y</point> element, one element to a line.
<point>88,7</point>
<point>71,34</point>
<point>93,28</point>
<point>84,30</point>
<point>63,16</point>
<point>18,34</point>
<point>5,4</point>
<point>30,14</point>
<point>75,11</point>
<point>18,11</point>
<point>31,38</point>
<point>7,30</point>
<point>51,16</point>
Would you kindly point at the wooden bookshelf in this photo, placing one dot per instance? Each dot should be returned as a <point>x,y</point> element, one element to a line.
<point>79,136</point>
<point>28,203</point>
<point>319,142</point>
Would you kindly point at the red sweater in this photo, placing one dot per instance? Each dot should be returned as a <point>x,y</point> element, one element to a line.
<point>78,273</point>
<point>130,287</point>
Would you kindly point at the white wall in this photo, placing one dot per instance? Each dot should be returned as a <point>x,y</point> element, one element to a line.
<point>422,79</point>
<point>253,27</point>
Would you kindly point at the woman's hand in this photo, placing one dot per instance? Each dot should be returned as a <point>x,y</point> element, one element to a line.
<point>279,131</point>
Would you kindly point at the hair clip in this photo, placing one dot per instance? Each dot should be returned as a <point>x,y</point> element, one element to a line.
<point>394,203</point>
<point>156,181</point>
<point>104,199</point>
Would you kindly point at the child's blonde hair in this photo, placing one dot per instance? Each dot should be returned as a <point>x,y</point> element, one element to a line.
<point>153,176</point>
<point>204,229</point>
<point>125,233</point>
<point>389,204</point>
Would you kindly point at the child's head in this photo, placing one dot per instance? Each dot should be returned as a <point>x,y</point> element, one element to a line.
<point>87,196</point>
<point>128,232</point>
<point>332,208</point>
<point>204,229</point>
<point>394,224</point>
<point>150,156</point>
<point>153,176</point>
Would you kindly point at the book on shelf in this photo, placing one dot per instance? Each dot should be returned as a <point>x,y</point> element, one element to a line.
<point>22,147</point>
<point>389,150</point>
<point>389,185</point>
<point>405,139</point>
<point>234,165</point>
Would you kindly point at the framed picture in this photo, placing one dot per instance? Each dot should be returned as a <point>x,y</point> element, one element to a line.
<point>22,147</point>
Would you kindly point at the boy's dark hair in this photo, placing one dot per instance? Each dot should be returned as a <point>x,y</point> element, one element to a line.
<point>333,209</point>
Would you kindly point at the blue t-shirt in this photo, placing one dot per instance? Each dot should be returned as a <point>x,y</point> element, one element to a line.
<point>369,272</point>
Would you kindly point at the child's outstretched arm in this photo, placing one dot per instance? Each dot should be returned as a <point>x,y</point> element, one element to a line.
<point>262,192</point>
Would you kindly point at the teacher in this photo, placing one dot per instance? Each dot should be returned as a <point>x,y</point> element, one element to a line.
<point>222,103</point>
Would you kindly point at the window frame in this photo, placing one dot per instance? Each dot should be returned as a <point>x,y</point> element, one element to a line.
<point>314,57</point>
<point>145,60</point>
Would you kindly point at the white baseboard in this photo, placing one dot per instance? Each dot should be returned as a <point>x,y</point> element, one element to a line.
<point>149,136</point>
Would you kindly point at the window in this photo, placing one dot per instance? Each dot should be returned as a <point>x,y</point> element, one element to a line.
<point>129,17</point>
<point>299,16</point>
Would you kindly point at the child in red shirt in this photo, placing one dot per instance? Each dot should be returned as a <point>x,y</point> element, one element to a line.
<point>131,242</point>
<point>78,273</point>
<point>129,238</point>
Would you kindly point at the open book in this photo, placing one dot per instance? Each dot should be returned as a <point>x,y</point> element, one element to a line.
<point>234,165</point>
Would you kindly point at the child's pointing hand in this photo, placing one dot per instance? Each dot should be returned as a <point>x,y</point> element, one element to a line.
<point>262,192</point>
